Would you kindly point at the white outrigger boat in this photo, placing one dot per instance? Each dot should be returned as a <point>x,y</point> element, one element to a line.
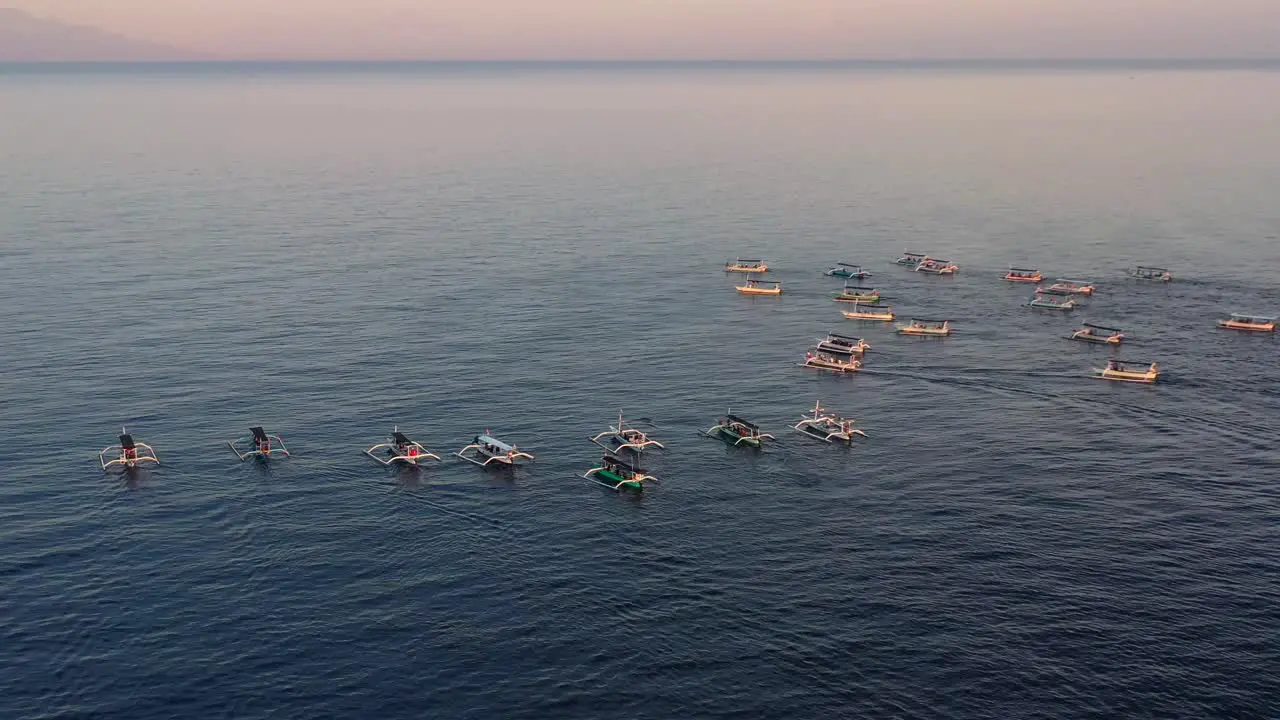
<point>620,437</point>
<point>843,345</point>
<point>400,449</point>
<point>263,445</point>
<point>825,361</point>
<point>128,454</point>
<point>486,449</point>
<point>827,428</point>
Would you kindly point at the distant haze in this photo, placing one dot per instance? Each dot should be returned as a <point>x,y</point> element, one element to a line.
<point>679,29</point>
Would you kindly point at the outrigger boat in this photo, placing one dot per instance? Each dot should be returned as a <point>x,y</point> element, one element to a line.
<point>621,437</point>
<point>736,431</point>
<point>856,293</point>
<point>926,328</point>
<point>843,345</point>
<point>263,445</point>
<point>871,311</point>
<point>745,266</point>
<point>486,449</point>
<point>1050,302</point>
<point>755,286</point>
<point>1249,323</point>
<point>911,259</point>
<point>400,449</point>
<point>1098,334</point>
<point>824,361</point>
<point>1127,372</point>
<point>617,473</point>
<point>128,454</point>
<point>1023,275</point>
<point>827,428</point>
<point>1068,287</point>
<point>846,270</point>
<point>1151,273</point>
<point>937,267</point>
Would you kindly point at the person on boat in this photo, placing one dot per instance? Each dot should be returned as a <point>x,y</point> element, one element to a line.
<point>130,453</point>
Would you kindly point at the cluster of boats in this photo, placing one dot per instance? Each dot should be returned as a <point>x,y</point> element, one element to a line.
<point>753,284</point>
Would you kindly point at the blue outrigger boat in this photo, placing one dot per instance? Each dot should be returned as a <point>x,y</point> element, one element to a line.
<point>486,449</point>
<point>847,270</point>
<point>737,431</point>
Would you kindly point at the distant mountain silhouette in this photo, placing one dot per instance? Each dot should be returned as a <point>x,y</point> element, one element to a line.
<point>26,38</point>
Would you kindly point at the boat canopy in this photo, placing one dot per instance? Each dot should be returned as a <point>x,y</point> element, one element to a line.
<point>1246,317</point>
<point>1065,281</point>
<point>1143,269</point>
<point>613,461</point>
<point>1023,270</point>
<point>836,337</point>
<point>259,434</point>
<point>400,438</point>
<point>847,286</point>
<point>757,281</point>
<point>737,420</point>
<point>915,255</point>
<point>495,442</point>
<point>927,321</point>
<point>849,265</point>
<point>739,261</point>
<point>126,442</point>
<point>1129,363</point>
<point>1100,327</point>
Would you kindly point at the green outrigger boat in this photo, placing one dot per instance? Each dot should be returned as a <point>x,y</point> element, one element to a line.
<point>856,293</point>
<point>736,431</point>
<point>616,473</point>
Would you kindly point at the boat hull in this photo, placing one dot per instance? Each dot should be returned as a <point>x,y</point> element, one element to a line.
<point>857,298</point>
<point>1052,306</point>
<point>1013,278</point>
<point>887,317</point>
<point>1098,339</point>
<point>923,333</point>
<point>1132,377</point>
<point>737,440</point>
<point>1246,327</point>
<point>617,480</point>
<point>747,290</point>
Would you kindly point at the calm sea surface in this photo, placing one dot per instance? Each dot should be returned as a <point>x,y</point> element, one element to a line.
<point>333,251</point>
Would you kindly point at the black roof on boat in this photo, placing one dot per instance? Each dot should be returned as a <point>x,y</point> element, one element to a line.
<point>1152,268</point>
<point>1100,327</point>
<point>911,254</point>
<point>400,438</point>
<point>763,280</point>
<point>1023,270</point>
<point>927,320</point>
<point>1122,363</point>
<point>613,460</point>
<point>258,433</point>
<point>850,265</point>
<point>126,441</point>
<point>745,260</point>
<point>843,338</point>
<point>736,419</point>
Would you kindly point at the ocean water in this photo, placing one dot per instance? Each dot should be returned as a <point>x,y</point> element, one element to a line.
<point>333,251</point>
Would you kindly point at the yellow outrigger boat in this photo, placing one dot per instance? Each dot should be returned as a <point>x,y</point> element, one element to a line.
<point>745,266</point>
<point>756,286</point>
<point>1248,323</point>
<point>856,293</point>
<point>1128,372</point>
<point>871,311</point>
<point>825,361</point>
<point>927,328</point>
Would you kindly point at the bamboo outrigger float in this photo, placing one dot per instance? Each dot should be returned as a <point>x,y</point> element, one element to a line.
<point>870,311</point>
<point>1153,274</point>
<point>824,361</point>
<point>736,431</point>
<point>926,328</point>
<point>128,454</point>
<point>1050,302</point>
<point>620,437</point>
<point>837,344</point>
<point>1068,287</point>
<point>745,266</point>
<point>617,473</point>
<point>756,286</point>
<point>856,293</point>
<point>847,270</point>
<point>1249,323</point>
<point>1125,371</point>
<point>263,445</point>
<point>937,267</point>
<point>1023,275</point>
<point>827,428</point>
<point>400,449</point>
<point>486,449</point>
<point>1098,334</point>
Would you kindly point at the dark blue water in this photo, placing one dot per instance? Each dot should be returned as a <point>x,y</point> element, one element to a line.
<point>330,254</point>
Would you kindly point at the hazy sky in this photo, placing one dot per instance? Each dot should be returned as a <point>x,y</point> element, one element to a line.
<point>548,29</point>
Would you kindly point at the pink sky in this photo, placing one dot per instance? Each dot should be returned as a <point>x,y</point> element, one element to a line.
<point>619,29</point>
